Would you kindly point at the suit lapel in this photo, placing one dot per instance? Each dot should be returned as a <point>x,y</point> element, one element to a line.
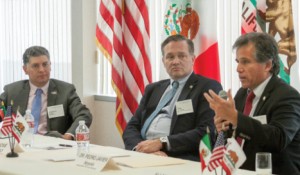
<point>158,93</point>
<point>22,99</point>
<point>189,85</point>
<point>241,100</point>
<point>52,93</point>
<point>265,95</point>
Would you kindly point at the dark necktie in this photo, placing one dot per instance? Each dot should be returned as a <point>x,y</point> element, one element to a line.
<point>165,100</point>
<point>36,108</point>
<point>247,109</point>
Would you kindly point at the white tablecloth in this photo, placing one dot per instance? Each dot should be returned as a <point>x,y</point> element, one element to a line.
<point>35,161</point>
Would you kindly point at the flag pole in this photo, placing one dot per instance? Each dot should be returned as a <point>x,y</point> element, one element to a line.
<point>11,139</point>
<point>209,138</point>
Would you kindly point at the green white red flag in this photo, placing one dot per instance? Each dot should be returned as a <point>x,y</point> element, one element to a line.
<point>2,111</point>
<point>204,151</point>
<point>197,20</point>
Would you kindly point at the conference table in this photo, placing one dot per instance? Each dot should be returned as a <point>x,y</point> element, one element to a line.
<point>47,157</point>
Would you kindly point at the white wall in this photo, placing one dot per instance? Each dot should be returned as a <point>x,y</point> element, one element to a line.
<point>104,130</point>
<point>84,73</point>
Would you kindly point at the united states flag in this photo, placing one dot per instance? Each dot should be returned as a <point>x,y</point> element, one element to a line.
<point>122,34</point>
<point>7,122</point>
<point>218,153</point>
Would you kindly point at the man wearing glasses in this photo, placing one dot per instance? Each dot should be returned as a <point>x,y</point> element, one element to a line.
<point>55,104</point>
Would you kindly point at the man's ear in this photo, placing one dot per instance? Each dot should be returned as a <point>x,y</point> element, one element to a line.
<point>269,65</point>
<point>25,69</point>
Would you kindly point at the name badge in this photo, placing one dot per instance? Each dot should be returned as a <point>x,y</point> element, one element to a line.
<point>184,107</point>
<point>56,111</point>
<point>261,118</point>
<point>96,162</point>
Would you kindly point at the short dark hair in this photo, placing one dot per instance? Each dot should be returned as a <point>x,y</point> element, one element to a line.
<point>178,38</point>
<point>266,48</point>
<point>34,51</point>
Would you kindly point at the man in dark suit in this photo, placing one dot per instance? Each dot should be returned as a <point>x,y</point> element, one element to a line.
<point>178,127</point>
<point>273,124</point>
<point>61,108</point>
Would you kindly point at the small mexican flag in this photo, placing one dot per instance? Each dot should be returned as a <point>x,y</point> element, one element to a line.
<point>205,150</point>
<point>2,111</point>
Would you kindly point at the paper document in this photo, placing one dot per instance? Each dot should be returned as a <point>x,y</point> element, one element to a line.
<point>147,161</point>
<point>52,146</point>
<point>61,155</point>
<point>60,158</point>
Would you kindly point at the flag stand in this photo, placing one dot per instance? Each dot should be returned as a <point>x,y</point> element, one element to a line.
<point>12,154</point>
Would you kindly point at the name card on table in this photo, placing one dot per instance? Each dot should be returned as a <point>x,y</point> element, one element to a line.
<point>96,162</point>
<point>4,147</point>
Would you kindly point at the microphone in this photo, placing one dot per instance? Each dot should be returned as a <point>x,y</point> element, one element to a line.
<point>223,94</point>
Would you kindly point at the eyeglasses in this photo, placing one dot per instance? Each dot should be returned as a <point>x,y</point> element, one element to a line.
<point>181,56</point>
<point>45,65</point>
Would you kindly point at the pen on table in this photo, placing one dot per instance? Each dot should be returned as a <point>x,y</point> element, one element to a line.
<point>65,145</point>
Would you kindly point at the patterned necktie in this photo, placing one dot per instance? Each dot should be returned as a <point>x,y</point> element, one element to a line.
<point>247,110</point>
<point>36,108</point>
<point>165,100</point>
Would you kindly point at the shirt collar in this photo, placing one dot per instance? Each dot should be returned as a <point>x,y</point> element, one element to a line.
<point>260,88</point>
<point>181,81</point>
<point>33,88</point>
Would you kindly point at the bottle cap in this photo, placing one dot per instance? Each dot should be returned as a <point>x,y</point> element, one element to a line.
<point>81,121</point>
<point>28,111</point>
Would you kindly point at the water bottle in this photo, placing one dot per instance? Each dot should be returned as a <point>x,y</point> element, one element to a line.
<point>82,138</point>
<point>27,138</point>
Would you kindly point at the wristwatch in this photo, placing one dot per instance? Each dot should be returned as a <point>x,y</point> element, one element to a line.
<point>164,142</point>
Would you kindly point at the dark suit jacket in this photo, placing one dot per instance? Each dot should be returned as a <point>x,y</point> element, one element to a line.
<point>59,92</point>
<point>187,129</point>
<point>280,136</point>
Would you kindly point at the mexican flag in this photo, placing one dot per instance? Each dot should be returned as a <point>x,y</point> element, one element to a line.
<point>197,20</point>
<point>2,111</point>
<point>204,151</point>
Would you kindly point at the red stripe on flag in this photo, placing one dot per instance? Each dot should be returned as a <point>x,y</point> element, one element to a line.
<point>207,63</point>
<point>109,19</point>
<point>122,57</point>
<point>118,12</point>
<point>243,31</point>
<point>138,37</point>
<point>134,68</point>
<point>129,98</point>
<point>120,120</point>
<point>144,11</point>
<point>105,43</point>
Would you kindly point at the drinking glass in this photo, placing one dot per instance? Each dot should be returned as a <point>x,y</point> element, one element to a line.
<point>263,163</point>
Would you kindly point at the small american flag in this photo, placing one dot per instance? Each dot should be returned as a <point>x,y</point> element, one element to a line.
<point>218,153</point>
<point>7,122</point>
